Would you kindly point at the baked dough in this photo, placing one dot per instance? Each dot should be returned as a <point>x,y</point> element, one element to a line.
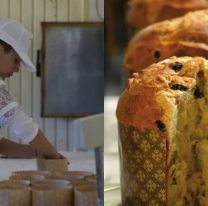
<point>163,127</point>
<point>184,36</point>
<point>141,13</point>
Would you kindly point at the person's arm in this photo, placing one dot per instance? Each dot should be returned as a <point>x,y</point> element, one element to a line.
<point>12,116</point>
<point>30,134</point>
<point>39,147</point>
<point>14,149</point>
<point>43,147</point>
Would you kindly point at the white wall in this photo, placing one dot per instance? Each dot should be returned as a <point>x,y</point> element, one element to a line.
<point>25,86</point>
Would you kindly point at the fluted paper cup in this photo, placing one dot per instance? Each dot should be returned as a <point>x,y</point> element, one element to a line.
<point>55,182</point>
<point>52,195</point>
<point>141,166</point>
<point>71,178</point>
<point>66,177</point>
<point>21,183</point>
<point>52,176</point>
<point>82,183</point>
<point>32,175</point>
<point>15,196</point>
<point>73,175</point>
<point>85,196</point>
<point>53,165</point>
<point>30,172</point>
<point>78,173</point>
<point>27,177</point>
<point>91,178</point>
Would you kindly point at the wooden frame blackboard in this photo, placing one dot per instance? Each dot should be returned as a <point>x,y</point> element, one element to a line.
<point>72,70</point>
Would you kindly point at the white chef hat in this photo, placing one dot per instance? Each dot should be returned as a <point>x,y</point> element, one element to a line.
<point>14,34</point>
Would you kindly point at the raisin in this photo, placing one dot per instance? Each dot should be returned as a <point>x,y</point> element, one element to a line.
<point>157,54</point>
<point>179,87</point>
<point>200,74</point>
<point>186,201</point>
<point>197,202</point>
<point>160,125</point>
<point>174,182</point>
<point>177,66</point>
<point>198,92</point>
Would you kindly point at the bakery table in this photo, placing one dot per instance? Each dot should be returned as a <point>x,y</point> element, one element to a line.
<point>84,161</point>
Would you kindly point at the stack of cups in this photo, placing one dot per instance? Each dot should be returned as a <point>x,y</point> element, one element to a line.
<point>29,175</point>
<point>85,195</point>
<point>52,195</point>
<point>14,195</point>
<point>74,175</point>
<point>44,188</point>
<point>84,186</point>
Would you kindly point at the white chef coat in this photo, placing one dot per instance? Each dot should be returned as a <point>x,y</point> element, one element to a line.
<point>12,116</point>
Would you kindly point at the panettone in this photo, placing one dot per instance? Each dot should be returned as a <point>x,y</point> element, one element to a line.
<point>163,128</point>
<point>141,13</point>
<point>184,36</point>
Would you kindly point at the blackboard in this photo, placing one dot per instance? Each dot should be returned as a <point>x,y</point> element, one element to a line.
<point>72,69</point>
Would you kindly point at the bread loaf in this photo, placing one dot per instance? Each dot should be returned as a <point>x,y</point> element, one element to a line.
<point>184,36</point>
<point>141,13</point>
<point>163,127</point>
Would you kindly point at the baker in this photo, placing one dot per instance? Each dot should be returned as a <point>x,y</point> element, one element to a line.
<point>15,42</point>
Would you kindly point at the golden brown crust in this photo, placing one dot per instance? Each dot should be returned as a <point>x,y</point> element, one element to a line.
<point>142,13</point>
<point>184,36</point>
<point>139,105</point>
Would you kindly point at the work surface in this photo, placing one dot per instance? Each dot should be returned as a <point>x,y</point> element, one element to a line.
<point>83,161</point>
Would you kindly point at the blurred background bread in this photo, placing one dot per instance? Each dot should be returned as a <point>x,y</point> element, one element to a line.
<point>141,13</point>
<point>183,36</point>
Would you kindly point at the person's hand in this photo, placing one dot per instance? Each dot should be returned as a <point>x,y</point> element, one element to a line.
<point>62,157</point>
<point>46,153</point>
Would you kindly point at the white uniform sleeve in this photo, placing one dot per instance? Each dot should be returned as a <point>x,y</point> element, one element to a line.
<point>24,127</point>
<point>13,117</point>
